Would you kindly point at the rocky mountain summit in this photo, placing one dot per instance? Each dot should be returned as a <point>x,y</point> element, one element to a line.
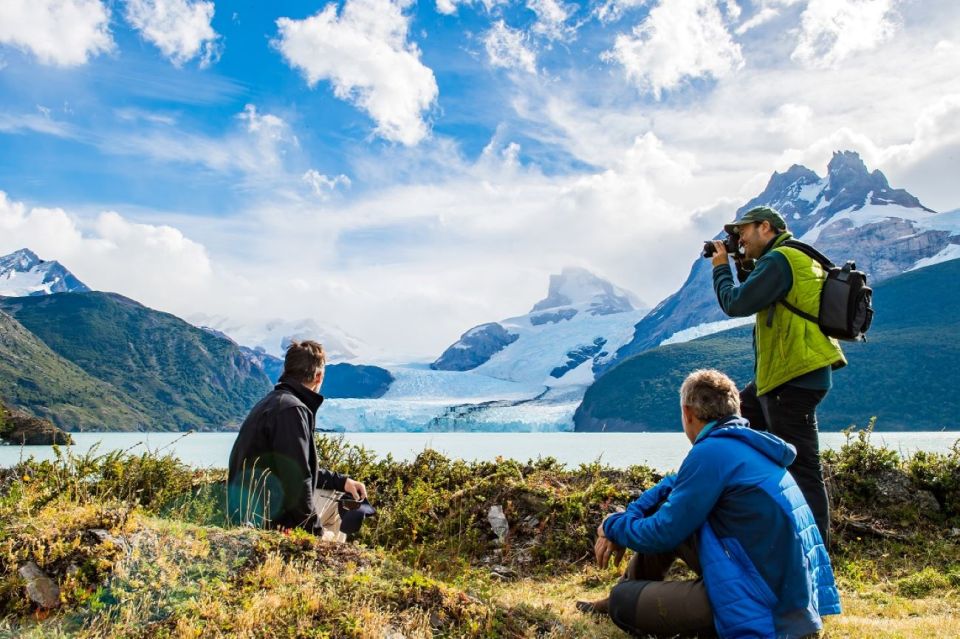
<point>576,288</point>
<point>849,214</point>
<point>22,273</point>
<point>581,316</point>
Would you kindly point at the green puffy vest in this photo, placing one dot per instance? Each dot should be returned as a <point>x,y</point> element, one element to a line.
<point>787,345</point>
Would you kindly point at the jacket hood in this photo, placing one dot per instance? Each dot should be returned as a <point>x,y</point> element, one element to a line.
<point>779,451</point>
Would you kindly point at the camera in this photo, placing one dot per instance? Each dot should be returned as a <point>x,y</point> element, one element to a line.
<point>731,243</point>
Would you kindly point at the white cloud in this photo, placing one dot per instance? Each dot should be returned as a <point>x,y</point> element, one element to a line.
<point>832,30</point>
<point>323,185</point>
<point>552,16</point>
<point>154,264</point>
<point>59,32</point>
<point>257,147</point>
<point>791,119</point>
<point>506,48</point>
<point>35,122</point>
<point>449,7</point>
<point>677,41</point>
<point>732,9</point>
<point>181,29</point>
<point>365,54</point>
<point>613,10</point>
<point>766,10</point>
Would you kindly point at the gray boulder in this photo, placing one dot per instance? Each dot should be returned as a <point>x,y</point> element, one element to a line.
<point>41,589</point>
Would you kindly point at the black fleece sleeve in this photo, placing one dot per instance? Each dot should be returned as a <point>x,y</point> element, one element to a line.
<point>329,480</point>
<point>292,446</point>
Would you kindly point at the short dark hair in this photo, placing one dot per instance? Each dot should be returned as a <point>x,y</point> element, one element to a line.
<point>710,394</point>
<point>304,360</point>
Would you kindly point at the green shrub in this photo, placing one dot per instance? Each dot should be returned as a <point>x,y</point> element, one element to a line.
<point>940,474</point>
<point>856,469</point>
<point>923,583</point>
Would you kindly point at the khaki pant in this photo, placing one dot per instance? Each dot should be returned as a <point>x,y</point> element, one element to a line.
<point>325,504</point>
<point>644,604</point>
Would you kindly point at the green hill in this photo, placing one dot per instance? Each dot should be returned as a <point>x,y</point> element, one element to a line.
<point>181,376</point>
<point>47,385</point>
<point>906,375</point>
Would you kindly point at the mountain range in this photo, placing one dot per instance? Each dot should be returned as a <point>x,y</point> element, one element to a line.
<point>89,360</point>
<point>850,214</point>
<point>100,361</point>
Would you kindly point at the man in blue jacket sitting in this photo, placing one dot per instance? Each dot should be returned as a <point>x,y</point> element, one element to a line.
<point>737,518</point>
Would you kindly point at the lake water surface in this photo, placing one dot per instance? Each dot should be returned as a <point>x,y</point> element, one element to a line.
<point>662,451</point>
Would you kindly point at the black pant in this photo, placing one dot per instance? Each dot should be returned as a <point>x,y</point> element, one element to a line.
<point>790,413</point>
<point>643,604</point>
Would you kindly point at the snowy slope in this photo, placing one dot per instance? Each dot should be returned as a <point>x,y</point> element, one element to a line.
<point>582,318</point>
<point>273,336</point>
<point>24,274</point>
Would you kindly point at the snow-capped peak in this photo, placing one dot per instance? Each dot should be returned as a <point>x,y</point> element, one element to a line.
<point>23,274</point>
<point>273,336</point>
<point>22,261</point>
<point>578,287</point>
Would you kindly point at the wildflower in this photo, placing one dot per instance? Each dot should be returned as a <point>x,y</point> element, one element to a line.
<point>26,478</point>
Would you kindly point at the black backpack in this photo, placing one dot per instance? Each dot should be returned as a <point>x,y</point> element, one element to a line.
<point>846,302</point>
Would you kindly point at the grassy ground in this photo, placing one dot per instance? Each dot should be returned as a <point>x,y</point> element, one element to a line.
<point>140,547</point>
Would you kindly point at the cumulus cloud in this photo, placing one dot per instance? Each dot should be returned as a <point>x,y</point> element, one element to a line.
<point>832,30</point>
<point>677,41</point>
<point>930,162</point>
<point>507,48</point>
<point>791,119</point>
<point>154,264</point>
<point>181,29</point>
<point>58,32</point>
<point>364,52</point>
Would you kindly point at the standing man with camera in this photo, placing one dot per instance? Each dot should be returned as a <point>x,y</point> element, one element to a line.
<point>794,360</point>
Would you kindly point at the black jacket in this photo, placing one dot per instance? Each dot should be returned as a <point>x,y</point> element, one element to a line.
<point>277,436</point>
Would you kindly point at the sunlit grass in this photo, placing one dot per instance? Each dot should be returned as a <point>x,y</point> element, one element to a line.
<point>140,547</point>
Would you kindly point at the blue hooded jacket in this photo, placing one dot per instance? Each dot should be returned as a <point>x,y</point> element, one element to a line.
<point>765,568</point>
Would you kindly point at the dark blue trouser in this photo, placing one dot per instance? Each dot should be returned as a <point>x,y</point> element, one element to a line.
<point>790,413</point>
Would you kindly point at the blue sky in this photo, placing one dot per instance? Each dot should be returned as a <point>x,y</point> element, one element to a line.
<point>407,170</point>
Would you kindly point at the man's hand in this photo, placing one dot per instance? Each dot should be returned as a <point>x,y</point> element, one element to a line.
<point>355,488</point>
<point>605,550</point>
<point>721,255</point>
<point>744,267</point>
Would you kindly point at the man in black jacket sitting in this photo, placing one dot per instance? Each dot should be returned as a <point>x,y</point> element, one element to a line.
<point>273,478</point>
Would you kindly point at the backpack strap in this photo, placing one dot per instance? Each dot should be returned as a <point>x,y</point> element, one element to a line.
<point>810,252</point>
<point>797,311</point>
<point>815,255</point>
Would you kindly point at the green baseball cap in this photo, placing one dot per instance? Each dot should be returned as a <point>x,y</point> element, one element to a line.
<point>758,214</point>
